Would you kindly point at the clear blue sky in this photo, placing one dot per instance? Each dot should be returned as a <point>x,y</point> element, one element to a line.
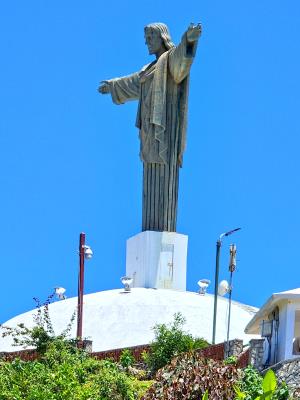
<point>69,157</point>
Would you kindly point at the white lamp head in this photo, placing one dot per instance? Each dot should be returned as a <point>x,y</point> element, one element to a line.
<point>203,284</point>
<point>88,253</point>
<point>223,288</point>
<point>126,281</point>
<point>60,292</point>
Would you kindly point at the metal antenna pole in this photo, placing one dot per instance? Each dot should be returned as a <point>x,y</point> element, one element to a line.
<point>219,244</point>
<point>232,266</point>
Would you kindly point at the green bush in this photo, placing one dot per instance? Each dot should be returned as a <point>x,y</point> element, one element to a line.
<point>231,360</point>
<point>65,373</point>
<point>251,383</point>
<point>169,342</point>
<point>255,387</point>
<point>126,358</point>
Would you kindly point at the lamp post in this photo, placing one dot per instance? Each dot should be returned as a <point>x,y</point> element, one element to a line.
<point>85,252</point>
<point>219,244</point>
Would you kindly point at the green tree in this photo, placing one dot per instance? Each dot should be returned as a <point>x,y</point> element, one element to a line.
<point>170,341</point>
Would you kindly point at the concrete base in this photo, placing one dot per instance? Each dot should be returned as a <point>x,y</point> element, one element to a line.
<point>157,260</point>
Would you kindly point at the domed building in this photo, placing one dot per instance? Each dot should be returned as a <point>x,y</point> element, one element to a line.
<point>116,319</point>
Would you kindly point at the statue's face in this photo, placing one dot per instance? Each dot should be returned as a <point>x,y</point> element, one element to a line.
<point>153,40</point>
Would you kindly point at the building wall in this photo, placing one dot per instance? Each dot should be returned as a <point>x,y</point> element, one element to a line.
<point>282,331</point>
<point>289,330</point>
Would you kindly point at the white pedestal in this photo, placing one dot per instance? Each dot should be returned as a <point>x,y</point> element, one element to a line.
<point>157,260</point>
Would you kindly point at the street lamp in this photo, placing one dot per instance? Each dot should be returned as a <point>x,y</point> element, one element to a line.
<point>203,284</point>
<point>85,252</point>
<point>126,281</point>
<point>219,244</point>
<point>60,293</point>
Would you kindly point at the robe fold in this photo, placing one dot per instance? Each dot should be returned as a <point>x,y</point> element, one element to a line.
<point>162,91</point>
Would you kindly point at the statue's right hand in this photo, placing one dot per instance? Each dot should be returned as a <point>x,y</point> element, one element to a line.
<point>104,87</point>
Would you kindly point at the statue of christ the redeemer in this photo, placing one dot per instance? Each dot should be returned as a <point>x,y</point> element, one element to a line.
<point>161,89</point>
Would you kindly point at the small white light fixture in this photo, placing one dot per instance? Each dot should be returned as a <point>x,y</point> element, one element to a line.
<point>223,288</point>
<point>88,253</point>
<point>60,293</point>
<point>203,284</point>
<point>126,281</point>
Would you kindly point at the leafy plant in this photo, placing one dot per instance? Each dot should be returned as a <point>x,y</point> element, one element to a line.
<point>66,373</point>
<point>189,376</point>
<point>269,385</point>
<point>126,358</point>
<point>251,385</point>
<point>170,341</point>
<point>282,392</point>
<point>42,334</point>
<point>231,360</point>
<point>254,387</point>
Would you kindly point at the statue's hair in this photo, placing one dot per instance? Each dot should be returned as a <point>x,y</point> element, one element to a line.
<point>164,33</point>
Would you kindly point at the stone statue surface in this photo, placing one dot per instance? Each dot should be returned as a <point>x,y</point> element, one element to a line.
<point>161,89</point>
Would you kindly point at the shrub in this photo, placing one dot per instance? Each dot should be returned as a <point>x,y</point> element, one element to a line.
<point>126,358</point>
<point>251,383</point>
<point>254,387</point>
<point>231,360</point>
<point>169,342</point>
<point>189,376</point>
<point>66,373</point>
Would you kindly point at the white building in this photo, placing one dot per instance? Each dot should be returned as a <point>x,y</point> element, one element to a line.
<point>115,319</point>
<point>279,321</point>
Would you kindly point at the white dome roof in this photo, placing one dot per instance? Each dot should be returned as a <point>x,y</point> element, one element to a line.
<point>115,319</point>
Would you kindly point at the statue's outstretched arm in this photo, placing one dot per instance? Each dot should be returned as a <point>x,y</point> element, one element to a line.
<point>122,89</point>
<point>181,58</point>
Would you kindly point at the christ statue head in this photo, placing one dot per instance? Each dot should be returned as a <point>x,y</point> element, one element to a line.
<point>158,38</point>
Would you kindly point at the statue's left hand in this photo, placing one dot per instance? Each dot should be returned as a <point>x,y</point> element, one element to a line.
<point>104,87</point>
<point>194,32</point>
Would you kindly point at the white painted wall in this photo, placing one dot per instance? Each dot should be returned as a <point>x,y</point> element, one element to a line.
<point>157,260</point>
<point>289,330</point>
<point>281,331</point>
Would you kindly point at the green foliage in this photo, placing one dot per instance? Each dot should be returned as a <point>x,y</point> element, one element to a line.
<point>65,373</point>
<point>141,387</point>
<point>189,376</point>
<point>232,360</point>
<point>282,392</point>
<point>42,334</point>
<point>126,358</point>
<point>205,395</point>
<point>251,384</point>
<point>170,341</point>
<point>269,385</point>
<point>199,343</point>
<point>254,387</point>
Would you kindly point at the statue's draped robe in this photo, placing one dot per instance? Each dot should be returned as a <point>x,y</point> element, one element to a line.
<point>162,90</point>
